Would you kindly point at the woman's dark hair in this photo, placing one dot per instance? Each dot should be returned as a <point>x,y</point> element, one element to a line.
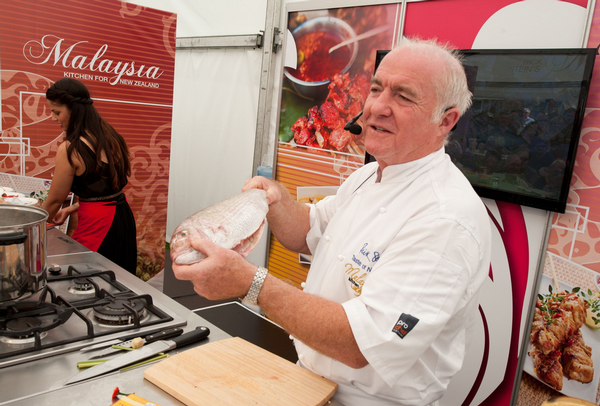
<point>86,120</point>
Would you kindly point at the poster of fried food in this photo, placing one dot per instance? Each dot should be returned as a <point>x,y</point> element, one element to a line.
<point>564,341</point>
<point>333,56</point>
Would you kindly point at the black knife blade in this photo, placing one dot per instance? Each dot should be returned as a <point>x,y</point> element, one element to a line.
<point>135,356</point>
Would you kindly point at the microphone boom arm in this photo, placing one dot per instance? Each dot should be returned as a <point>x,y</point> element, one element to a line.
<point>352,126</point>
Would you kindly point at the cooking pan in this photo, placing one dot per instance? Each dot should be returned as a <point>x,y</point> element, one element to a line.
<point>22,251</point>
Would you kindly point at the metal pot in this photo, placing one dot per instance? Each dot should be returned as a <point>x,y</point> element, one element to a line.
<point>22,251</point>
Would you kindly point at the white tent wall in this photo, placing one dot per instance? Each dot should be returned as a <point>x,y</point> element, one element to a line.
<point>214,124</point>
<point>215,105</point>
<point>200,18</point>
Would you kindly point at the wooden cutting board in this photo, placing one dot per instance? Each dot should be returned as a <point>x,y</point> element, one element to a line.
<point>236,372</point>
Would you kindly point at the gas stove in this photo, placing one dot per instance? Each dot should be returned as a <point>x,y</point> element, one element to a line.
<point>69,321</point>
<point>83,303</point>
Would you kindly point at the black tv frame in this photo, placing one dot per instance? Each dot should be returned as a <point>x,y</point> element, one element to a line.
<point>539,202</point>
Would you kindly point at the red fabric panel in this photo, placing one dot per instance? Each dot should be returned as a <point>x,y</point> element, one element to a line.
<point>95,219</point>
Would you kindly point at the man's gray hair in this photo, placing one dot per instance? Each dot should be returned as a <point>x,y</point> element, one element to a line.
<point>451,84</point>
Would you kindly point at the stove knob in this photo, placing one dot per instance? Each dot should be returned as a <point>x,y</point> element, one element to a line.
<point>54,270</point>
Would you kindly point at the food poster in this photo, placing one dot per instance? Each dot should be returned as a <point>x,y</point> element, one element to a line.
<point>564,338</point>
<point>125,55</point>
<point>319,96</point>
<point>573,261</point>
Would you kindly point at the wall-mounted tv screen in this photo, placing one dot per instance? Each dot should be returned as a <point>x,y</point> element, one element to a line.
<point>518,141</point>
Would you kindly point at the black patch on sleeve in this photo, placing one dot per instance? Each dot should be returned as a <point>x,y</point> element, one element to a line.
<point>405,323</point>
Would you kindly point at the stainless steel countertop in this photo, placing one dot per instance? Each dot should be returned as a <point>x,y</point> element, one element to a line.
<point>41,382</point>
<point>59,244</point>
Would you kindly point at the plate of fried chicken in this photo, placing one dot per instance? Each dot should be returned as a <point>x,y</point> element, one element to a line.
<point>562,348</point>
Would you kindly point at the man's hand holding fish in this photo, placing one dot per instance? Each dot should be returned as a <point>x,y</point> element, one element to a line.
<point>222,274</point>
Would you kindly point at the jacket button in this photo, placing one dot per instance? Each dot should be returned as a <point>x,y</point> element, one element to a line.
<point>382,210</point>
<point>340,257</point>
<point>327,238</point>
<point>303,285</point>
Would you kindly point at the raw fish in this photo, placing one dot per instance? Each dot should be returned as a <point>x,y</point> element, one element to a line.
<point>236,223</point>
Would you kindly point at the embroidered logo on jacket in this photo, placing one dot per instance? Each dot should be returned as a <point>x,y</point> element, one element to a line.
<point>405,323</point>
<point>360,267</point>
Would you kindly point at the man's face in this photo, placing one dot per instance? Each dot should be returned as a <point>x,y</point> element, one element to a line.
<point>397,112</point>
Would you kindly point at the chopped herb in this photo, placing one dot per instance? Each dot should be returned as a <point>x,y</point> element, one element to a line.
<point>594,303</point>
<point>549,304</point>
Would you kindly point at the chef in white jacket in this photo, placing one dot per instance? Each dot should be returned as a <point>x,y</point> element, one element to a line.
<point>399,253</point>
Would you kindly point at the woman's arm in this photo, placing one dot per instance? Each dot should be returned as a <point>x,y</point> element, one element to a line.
<point>64,213</point>
<point>61,182</point>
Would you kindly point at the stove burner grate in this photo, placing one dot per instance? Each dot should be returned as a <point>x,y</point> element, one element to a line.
<point>23,340</point>
<point>120,311</point>
<point>83,286</point>
<point>23,323</point>
<point>29,321</point>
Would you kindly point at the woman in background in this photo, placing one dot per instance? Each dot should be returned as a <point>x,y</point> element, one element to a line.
<point>93,163</point>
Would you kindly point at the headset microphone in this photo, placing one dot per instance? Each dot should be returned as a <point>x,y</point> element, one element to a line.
<point>352,126</point>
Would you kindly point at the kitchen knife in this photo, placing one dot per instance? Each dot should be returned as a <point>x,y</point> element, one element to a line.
<point>116,341</point>
<point>135,356</point>
<point>161,335</point>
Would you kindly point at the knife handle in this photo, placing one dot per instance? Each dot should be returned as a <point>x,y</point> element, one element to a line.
<point>188,338</point>
<point>163,335</point>
<point>138,334</point>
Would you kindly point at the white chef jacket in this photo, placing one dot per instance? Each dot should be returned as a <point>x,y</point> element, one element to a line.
<point>406,257</point>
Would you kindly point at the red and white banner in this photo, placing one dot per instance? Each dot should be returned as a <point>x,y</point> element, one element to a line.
<point>125,55</point>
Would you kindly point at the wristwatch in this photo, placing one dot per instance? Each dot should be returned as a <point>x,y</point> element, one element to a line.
<point>259,278</point>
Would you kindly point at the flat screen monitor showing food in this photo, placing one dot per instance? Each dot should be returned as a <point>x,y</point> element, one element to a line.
<point>518,141</point>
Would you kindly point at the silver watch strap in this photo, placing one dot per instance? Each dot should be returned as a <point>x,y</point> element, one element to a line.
<point>259,278</point>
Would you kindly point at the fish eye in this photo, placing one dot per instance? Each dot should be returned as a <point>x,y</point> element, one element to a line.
<point>184,233</point>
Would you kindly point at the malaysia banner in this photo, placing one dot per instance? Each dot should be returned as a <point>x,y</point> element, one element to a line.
<point>125,56</point>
